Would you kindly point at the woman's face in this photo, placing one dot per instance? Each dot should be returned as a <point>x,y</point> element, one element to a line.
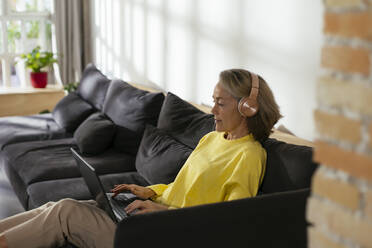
<point>225,110</point>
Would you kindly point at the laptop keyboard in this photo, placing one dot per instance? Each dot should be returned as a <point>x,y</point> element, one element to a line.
<point>121,198</point>
<point>119,202</point>
<point>119,206</point>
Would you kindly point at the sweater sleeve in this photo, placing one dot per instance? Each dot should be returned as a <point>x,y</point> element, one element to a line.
<point>158,189</point>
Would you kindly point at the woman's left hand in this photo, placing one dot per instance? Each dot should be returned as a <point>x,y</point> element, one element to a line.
<point>144,207</point>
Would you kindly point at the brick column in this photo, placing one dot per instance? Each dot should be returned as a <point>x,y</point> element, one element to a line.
<point>340,207</point>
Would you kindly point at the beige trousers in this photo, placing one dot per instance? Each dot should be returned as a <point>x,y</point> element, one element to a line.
<point>82,223</point>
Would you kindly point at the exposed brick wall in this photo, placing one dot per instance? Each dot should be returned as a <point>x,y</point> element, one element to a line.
<point>346,59</point>
<point>338,126</point>
<point>351,95</point>
<point>343,3</point>
<point>349,24</point>
<point>338,158</point>
<point>339,191</point>
<point>340,206</point>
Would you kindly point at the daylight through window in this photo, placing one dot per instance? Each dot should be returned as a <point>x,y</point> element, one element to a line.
<point>24,24</point>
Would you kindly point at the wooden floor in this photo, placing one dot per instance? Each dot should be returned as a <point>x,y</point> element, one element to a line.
<point>9,204</point>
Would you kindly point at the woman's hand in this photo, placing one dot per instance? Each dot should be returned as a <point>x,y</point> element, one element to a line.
<point>144,207</point>
<point>139,191</point>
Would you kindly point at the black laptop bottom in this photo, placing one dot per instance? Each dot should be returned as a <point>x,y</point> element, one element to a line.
<point>120,202</point>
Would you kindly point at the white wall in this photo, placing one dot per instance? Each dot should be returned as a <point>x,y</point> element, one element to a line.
<point>182,45</point>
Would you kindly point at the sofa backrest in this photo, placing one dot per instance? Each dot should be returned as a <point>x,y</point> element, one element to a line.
<point>288,167</point>
<point>183,121</point>
<point>71,111</point>
<point>93,86</point>
<point>164,149</point>
<point>131,109</point>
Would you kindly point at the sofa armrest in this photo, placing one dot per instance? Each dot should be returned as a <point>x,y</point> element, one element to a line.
<point>275,220</point>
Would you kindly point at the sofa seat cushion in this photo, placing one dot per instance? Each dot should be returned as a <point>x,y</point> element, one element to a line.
<point>71,111</point>
<point>15,129</point>
<point>160,157</point>
<point>48,160</point>
<point>183,121</point>
<point>95,134</point>
<point>76,188</point>
<point>288,167</point>
<point>93,86</point>
<point>18,186</point>
<point>131,109</point>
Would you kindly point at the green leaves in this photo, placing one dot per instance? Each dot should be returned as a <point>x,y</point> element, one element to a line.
<point>70,87</point>
<point>36,60</point>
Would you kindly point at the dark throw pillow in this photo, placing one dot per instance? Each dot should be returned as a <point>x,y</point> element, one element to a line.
<point>95,134</point>
<point>160,157</point>
<point>288,166</point>
<point>185,122</point>
<point>126,140</point>
<point>71,111</point>
<point>93,86</point>
<point>131,109</point>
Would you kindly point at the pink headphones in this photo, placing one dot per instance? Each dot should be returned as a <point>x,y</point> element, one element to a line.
<point>248,106</point>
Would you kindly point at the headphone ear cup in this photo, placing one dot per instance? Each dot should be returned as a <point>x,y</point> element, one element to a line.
<point>247,107</point>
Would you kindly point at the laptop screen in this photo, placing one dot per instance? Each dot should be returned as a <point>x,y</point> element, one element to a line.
<point>94,184</point>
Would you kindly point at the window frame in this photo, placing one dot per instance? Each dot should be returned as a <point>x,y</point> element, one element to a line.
<point>8,57</point>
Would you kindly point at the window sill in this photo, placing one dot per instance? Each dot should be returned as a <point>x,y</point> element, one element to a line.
<point>29,101</point>
<point>29,90</point>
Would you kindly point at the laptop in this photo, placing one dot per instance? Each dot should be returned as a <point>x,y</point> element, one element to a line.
<point>114,207</point>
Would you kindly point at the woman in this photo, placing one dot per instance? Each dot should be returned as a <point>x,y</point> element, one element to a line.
<point>227,164</point>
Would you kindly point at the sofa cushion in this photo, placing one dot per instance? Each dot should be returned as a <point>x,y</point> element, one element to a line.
<point>75,188</point>
<point>16,129</point>
<point>131,109</point>
<point>48,160</point>
<point>288,167</point>
<point>160,157</point>
<point>93,86</point>
<point>126,140</point>
<point>70,111</point>
<point>95,134</point>
<point>185,122</point>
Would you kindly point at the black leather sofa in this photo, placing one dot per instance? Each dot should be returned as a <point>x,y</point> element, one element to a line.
<point>135,136</point>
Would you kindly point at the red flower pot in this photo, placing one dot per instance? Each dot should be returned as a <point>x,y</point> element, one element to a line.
<point>39,79</point>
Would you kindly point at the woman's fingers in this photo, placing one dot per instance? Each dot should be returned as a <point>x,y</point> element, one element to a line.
<point>140,206</point>
<point>119,188</point>
<point>144,207</point>
<point>130,187</point>
<point>139,191</point>
<point>137,204</point>
<point>143,211</point>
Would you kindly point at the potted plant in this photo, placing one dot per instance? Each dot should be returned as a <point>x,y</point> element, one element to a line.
<point>36,61</point>
<point>70,87</point>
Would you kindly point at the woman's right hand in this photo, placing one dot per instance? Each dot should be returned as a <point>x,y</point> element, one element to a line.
<point>139,191</point>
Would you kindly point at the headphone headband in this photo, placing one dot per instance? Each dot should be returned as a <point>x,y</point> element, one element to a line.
<point>255,86</point>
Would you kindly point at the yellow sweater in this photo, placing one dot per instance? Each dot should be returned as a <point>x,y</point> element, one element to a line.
<point>217,170</point>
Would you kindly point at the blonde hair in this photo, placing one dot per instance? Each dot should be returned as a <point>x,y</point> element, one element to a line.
<point>238,83</point>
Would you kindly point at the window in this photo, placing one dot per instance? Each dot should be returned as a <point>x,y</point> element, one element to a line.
<point>24,24</point>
